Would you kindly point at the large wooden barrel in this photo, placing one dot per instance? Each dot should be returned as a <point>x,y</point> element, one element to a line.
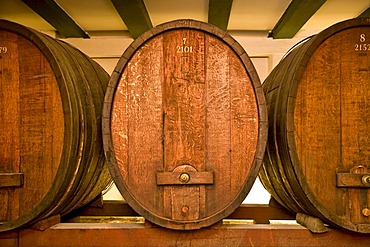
<point>184,124</point>
<point>51,155</point>
<point>318,151</point>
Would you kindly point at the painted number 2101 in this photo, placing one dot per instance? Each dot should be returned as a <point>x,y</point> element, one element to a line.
<point>184,48</point>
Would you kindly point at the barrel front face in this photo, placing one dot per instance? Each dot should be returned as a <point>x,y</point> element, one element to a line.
<point>32,124</point>
<point>184,128</point>
<point>332,130</point>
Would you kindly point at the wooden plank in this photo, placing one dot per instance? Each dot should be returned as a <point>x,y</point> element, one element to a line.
<point>294,17</point>
<point>260,213</point>
<point>116,234</point>
<point>9,239</point>
<point>315,225</point>
<point>184,120</point>
<point>57,17</point>
<point>134,14</point>
<point>110,208</point>
<point>136,126</point>
<point>11,180</point>
<point>108,219</point>
<point>219,13</point>
<point>46,223</point>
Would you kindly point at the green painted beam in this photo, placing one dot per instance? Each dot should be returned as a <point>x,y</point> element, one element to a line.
<point>51,12</point>
<point>134,14</point>
<point>365,14</point>
<point>219,13</point>
<point>294,17</point>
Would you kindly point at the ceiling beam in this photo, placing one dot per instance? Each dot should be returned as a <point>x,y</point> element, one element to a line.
<point>365,14</point>
<point>51,12</point>
<point>219,13</point>
<point>294,17</point>
<point>135,16</point>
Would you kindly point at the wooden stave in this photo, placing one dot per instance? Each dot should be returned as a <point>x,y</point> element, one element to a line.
<point>94,87</point>
<point>294,198</point>
<point>96,92</point>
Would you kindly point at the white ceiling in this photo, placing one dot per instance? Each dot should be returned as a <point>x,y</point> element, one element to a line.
<point>246,15</point>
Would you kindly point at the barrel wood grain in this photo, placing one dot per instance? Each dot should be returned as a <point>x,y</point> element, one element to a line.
<point>184,99</point>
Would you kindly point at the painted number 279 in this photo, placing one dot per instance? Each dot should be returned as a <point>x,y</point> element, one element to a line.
<point>3,49</point>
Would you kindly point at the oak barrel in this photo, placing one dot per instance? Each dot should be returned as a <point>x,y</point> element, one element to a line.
<point>51,156</point>
<point>184,124</point>
<point>317,158</point>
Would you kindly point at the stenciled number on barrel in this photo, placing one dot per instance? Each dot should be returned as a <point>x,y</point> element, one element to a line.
<point>362,46</point>
<point>184,48</point>
<point>3,49</point>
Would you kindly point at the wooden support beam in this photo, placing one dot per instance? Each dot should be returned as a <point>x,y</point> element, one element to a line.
<point>137,233</point>
<point>9,238</point>
<point>315,225</point>
<point>135,15</point>
<point>294,17</point>
<point>219,13</point>
<point>57,17</point>
<point>46,223</point>
<point>365,14</point>
<point>118,234</point>
<point>261,214</point>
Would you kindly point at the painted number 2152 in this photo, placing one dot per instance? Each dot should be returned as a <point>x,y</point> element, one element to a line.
<point>362,46</point>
